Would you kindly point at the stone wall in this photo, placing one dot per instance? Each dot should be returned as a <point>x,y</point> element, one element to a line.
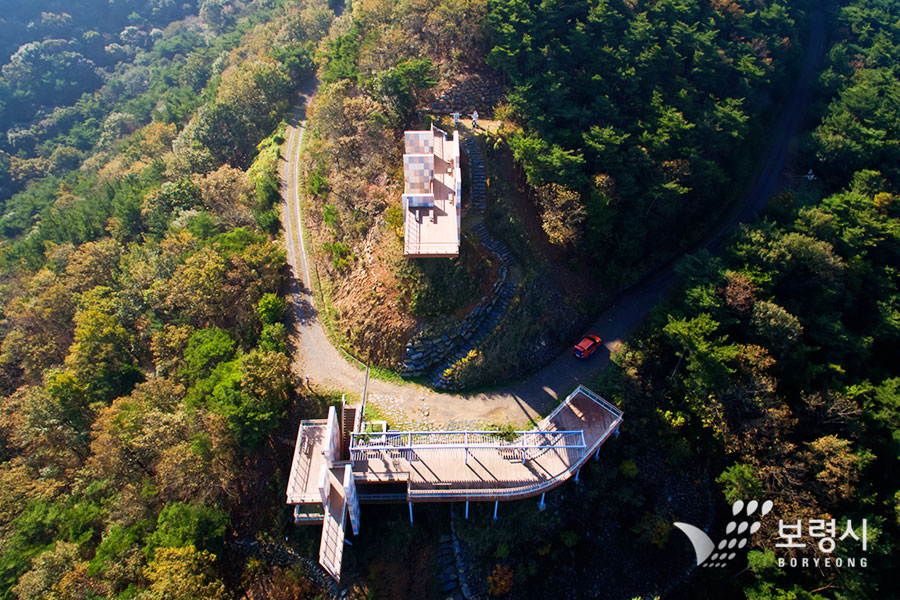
<point>435,355</point>
<point>468,96</point>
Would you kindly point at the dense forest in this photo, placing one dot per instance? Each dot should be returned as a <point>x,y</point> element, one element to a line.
<point>145,370</point>
<point>143,362</point>
<point>771,372</point>
<point>644,110</point>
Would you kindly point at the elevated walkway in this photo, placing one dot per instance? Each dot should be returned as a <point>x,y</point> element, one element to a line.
<point>331,547</point>
<point>307,464</point>
<point>488,465</point>
<point>334,455</point>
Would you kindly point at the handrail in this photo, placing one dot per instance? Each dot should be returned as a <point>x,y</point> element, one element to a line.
<point>405,440</point>
<point>358,421</point>
<point>514,493</point>
<point>302,459</point>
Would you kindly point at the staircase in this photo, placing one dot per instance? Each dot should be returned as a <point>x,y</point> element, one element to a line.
<point>348,420</point>
<point>505,289</point>
<point>477,177</point>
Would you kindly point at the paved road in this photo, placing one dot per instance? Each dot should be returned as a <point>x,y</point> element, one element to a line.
<point>519,402</point>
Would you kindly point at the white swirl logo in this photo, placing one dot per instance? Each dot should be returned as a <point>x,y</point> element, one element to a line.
<point>737,534</point>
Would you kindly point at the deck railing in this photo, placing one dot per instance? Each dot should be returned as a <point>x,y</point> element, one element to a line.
<point>522,444</point>
<point>472,440</point>
<point>514,490</point>
<point>302,459</point>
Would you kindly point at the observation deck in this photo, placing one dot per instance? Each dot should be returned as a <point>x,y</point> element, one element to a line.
<point>332,472</point>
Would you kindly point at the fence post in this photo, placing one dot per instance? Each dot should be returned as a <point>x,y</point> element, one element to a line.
<point>467,464</point>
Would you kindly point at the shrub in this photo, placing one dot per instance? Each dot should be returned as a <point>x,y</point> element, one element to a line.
<point>270,309</point>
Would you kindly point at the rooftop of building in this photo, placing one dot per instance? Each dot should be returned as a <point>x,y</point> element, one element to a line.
<point>432,194</point>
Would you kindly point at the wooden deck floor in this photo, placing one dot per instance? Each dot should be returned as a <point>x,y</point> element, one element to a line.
<point>307,464</point>
<point>441,474</point>
<point>331,546</point>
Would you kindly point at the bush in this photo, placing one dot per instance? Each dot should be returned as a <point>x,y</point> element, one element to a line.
<point>270,309</point>
<point>180,525</point>
<point>340,253</point>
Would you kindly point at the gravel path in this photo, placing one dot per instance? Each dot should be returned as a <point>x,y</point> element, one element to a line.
<point>516,403</point>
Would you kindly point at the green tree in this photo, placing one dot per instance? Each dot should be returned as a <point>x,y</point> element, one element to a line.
<point>270,309</point>
<point>182,525</point>
<point>182,574</point>
<point>102,356</point>
<point>740,482</point>
<point>205,349</point>
<point>779,328</point>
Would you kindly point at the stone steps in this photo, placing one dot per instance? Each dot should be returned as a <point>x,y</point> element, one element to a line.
<point>439,354</point>
<point>468,96</point>
<point>438,379</point>
<point>477,177</point>
<point>447,570</point>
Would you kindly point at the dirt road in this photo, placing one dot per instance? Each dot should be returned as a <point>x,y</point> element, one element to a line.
<point>517,402</point>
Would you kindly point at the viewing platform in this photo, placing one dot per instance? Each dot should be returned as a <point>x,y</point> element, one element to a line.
<point>339,464</point>
<point>432,194</point>
<point>488,465</point>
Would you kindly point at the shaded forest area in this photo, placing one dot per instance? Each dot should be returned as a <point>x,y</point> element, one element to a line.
<point>634,121</point>
<point>772,367</point>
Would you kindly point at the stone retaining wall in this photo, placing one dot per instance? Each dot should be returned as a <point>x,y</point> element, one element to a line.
<point>437,354</point>
<point>468,96</point>
<point>280,556</point>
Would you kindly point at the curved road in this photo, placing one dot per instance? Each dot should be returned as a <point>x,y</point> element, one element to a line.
<point>516,403</point>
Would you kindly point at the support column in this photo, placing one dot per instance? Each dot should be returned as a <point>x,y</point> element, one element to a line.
<point>467,509</point>
<point>496,503</point>
<point>542,505</point>
<point>577,473</point>
<point>597,454</point>
<point>410,514</point>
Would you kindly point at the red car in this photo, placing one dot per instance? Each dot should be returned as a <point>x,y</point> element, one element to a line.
<point>587,346</point>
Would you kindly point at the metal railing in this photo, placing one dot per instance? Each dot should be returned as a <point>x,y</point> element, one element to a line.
<point>599,400</point>
<point>302,459</point>
<point>361,444</point>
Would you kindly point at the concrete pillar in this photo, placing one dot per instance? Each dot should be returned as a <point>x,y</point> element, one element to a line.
<point>496,503</point>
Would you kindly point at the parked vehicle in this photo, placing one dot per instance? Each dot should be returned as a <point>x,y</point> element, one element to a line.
<point>587,346</point>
